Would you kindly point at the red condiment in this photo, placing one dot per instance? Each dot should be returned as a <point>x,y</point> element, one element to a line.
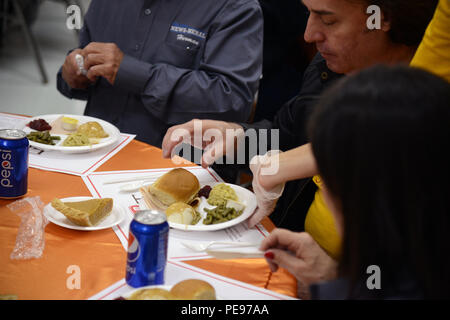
<point>204,192</point>
<point>39,125</point>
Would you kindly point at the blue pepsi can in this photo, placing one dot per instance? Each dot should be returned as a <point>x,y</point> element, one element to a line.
<point>13,163</point>
<point>147,248</point>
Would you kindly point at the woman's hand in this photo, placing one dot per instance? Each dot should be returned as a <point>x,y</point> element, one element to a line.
<point>300,254</point>
<point>263,166</point>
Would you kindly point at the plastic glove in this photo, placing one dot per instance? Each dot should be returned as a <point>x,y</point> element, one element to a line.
<point>266,199</point>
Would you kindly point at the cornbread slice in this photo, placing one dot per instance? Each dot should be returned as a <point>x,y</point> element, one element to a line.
<point>86,213</point>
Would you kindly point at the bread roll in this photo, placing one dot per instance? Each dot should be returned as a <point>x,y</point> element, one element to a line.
<point>193,289</point>
<point>152,294</point>
<point>177,185</point>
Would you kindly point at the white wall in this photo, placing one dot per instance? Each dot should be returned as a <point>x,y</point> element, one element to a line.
<point>21,90</point>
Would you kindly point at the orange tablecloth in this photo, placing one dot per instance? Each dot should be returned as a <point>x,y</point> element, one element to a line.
<point>99,254</point>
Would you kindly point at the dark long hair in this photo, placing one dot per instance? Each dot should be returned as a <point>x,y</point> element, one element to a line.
<point>381,139</point>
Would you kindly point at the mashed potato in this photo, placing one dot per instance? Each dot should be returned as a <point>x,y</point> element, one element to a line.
<point>220,193</point>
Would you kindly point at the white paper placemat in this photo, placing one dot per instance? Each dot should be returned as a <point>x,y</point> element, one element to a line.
<point>75,164</point>
<point>78,164</point>
<point>176,271</point>
<point>130,201</point>
<point>12,121</point>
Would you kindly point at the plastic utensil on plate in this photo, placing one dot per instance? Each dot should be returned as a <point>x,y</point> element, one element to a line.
<point>224,255</point>
<point>133,186</point>
<point>204,246</point>
<point>143,178</point>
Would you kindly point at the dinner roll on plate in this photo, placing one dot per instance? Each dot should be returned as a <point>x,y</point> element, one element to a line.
<point>177,185</point>
<point>193,289</point>
<point>152,294</point>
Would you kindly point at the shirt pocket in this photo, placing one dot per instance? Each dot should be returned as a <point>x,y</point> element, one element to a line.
<point>181,50</point>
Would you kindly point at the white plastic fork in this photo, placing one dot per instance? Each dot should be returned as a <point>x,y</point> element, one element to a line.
<point>205,246</point>
<point>133,186</point>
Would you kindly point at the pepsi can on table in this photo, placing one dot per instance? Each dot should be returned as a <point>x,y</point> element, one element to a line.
<point>147,248</point>
<point>13,163</point>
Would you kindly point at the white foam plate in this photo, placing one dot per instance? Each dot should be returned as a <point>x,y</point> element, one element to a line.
<point>115,217</point>
<point>246,197</point>
<point>110,129</point>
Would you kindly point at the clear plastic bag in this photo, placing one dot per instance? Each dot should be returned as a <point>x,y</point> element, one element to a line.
<point>30,240</point>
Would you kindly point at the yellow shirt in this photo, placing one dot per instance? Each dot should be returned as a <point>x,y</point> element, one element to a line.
<point>320,224</point>
<point>433,53</point>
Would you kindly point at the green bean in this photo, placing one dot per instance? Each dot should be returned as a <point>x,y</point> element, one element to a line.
<point>220,214</point>
<point>43,137</point>
<point>208,219</point>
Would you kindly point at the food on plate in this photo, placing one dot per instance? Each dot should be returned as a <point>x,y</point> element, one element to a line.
<point>177,185</point>
<point>236,205</point>
<point>58,126</point>
<point>204,192</point>
<point>39,125</point>
<point>76,140</point>
<point>8,297</point>
<point>42,137</point>
<point>69,124</point>
<point>220,193</point>
<point>152,294</point>
<point>190,289</point>
<point>220,214</point>
<point>86,213</point>
<point>92,129</point>
<point>193,289</point>
<point>182,213</point>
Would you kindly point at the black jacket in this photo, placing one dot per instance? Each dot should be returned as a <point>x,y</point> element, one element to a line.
<point>291,121</point>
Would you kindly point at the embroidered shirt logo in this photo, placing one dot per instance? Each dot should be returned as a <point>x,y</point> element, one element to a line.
<point>181,37</point>
<point>187,33</point>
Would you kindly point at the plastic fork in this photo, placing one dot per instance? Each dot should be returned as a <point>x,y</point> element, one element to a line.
<point>204,246</point>
<point>133,186</point>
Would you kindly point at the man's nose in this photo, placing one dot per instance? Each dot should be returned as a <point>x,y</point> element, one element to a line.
<point>313,33</point>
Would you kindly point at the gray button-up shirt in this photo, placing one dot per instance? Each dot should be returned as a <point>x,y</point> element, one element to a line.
<point>183,59</point>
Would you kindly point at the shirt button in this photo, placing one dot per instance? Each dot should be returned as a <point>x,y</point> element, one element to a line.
<point>147,12</point>
<point>136,47</point>
<point>324,76</point>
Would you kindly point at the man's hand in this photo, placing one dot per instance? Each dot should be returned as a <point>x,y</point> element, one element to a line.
<point>300,254</point>
<point>102,59</point>
<point>217,138</point>
<point>71,73</point>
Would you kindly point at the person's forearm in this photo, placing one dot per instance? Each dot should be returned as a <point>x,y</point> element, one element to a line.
<point>71,93</point>
<point>298,163</point>
<point>186,91</point>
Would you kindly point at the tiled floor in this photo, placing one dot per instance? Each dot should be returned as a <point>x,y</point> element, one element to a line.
<point>21,90</point>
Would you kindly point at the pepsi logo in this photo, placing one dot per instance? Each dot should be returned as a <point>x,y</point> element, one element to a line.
<point>6,169</point>
<point>134,249</point>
